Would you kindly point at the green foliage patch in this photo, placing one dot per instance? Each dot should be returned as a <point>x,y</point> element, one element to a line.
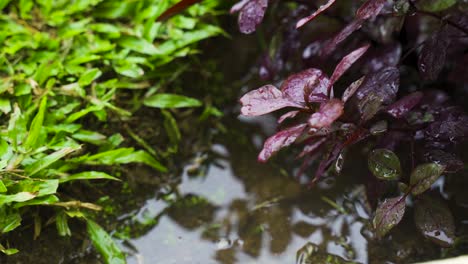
<point>63,63</point>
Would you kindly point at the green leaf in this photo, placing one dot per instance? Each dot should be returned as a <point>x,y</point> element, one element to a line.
<point>3,188</point>
<point>89,76</point>
<point>17,197</point>
<point>384,164</point>
<point>36,126</point>
<point>424,176</point>
<point>104,244</point>
<point>61,222</point>
<point>138,44</point>
<point>44,200</point>
<point>435,5</point>
<point>88,175</point>
<point>9,251</point>
<point>170,101</point>
<point>45,162</point>
<point>90,137</point>
<point>4,3</point>
<point>125,156</point>
<point>388,215</point>
<point>9,220</point>
<point>37,187</point>
<point>172,130</point>
<point>5,106</point>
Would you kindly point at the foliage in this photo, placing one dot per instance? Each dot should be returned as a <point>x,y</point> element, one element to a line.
<point>63,64</point>
<point>375,92</point>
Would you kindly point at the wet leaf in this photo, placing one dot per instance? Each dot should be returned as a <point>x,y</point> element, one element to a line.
<point>310,85</point>
<point>384,164</point>
<point>322,8</point>
<point>377,89</point>
<point>170,101</point>
<point>423,176</point>
<point>451,162</point>
<point>435,221</point>
<point>251,15</point>
<point>388,214</point>
<point>352,88</point>
<point>328,113</point>
<point>431,59</point>
<point>347,62</point>
<point>280,140</point>
<point>265,100</point>
<point>401,107</point>
<point>104,244</point>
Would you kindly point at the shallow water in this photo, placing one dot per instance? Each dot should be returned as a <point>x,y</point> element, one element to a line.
<point>241,211</point>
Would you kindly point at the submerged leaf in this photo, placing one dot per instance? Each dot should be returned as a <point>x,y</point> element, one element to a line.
<point>265,100</point>
<point>280,140</point>
<point>388,215</point>
<point>370,9</point>
<point>352,88</point>
<point>424,176</point>
<point>104,244</point>
<point>435,221</point>
<point>384,164</point>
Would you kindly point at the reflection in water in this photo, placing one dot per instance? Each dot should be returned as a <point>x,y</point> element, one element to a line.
<point>241,211</point>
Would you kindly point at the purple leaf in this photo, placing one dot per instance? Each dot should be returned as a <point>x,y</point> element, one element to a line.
<point>453,128</point>
<point>435,221</point>
<point>327,114</point>
<point>401,107</point>
<point>290,114</point>
<point>322,8</point>
<point>251,15</point>
<point>370,9</point>
<point>313,80</point>
<point>388,215</point>
<point>341,36</point>
<point>451,162</point>
<point>280,140</point>
<point>377,89</point>
<point>424,176</point>
<point>432,57</point>
<point>238,7</point>
<point>312,146</point>
<point>176,9</point>
<point>346,63</point>
<point>352,88</point>
<point>264,100</point>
